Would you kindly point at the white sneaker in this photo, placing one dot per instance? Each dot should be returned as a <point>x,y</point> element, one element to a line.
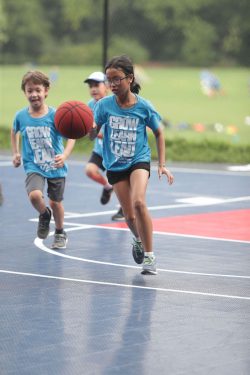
<point>60,241</point>
<point>149,265</point>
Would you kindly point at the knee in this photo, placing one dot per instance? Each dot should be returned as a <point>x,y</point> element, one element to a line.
<point>89,170</point>
<point>35,196</point>
<point>139,206</point>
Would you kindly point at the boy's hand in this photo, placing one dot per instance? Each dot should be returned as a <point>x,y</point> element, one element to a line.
<point>163,170</point>
<point>16,160</point>
<point>59,160</point>
<point>93,133</point>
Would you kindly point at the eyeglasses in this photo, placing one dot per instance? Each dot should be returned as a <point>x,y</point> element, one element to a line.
<point>115,81</point>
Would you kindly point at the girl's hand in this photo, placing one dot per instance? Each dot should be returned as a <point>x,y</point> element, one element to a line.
<point>59,160</point>
<point>163,170</point>
<point>16,160</point>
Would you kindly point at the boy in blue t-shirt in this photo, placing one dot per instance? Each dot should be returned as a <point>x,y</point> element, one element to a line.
<point>98,90</point>
<point>43,155</point>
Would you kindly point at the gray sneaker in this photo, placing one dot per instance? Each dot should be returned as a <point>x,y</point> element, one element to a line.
<point>43,224</point>
<point>149,266</point>
<point>60,241</point>
<point>137,251</point>
<point>118,216</point>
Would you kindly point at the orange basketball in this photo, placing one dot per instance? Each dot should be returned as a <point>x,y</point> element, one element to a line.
<point>73,119</point>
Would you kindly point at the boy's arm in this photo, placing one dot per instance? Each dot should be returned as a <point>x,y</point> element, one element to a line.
<point>94,131</point>
<point>16,159</point>
<point>60,159</point>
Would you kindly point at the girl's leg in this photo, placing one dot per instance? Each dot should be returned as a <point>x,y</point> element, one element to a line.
<point>138,187</point>
<point>123,193</point>
<point>131,194</point>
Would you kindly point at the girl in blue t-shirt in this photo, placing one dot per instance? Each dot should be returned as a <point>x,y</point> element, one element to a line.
<point>124,117</point>
<point>43,155</point>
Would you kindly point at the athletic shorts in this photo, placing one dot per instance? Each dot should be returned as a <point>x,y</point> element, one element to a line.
<point>56,186</point>
<point>97,160</point>
<point>114,177</point>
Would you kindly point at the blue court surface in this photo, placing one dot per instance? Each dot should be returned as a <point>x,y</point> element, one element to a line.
<point>88,310</point>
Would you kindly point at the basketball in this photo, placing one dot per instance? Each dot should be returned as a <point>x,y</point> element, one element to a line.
<point>73,119</point>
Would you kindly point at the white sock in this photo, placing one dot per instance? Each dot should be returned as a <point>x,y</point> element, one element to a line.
<point>148,254</point>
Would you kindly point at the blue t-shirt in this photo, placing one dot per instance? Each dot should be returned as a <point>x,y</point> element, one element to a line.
<point>125,140</point>
<point>41,142</point>
<point>98,143</point>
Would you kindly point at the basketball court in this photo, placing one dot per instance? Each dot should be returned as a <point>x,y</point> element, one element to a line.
<point>88,310</point>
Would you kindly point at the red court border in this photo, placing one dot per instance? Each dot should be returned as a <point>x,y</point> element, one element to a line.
<point>231,225</point>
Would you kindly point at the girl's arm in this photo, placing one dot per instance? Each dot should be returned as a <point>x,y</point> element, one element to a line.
<point>60,159</point>
<point>160,143</point>
<point>16,159</point>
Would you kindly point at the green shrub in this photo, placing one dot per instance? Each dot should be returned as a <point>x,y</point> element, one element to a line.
<point>177,149</point>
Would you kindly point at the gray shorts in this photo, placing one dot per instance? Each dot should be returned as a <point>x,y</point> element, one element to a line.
<point>56,186</point>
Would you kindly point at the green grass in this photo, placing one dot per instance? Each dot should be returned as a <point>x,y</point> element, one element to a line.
<point>175,92</point>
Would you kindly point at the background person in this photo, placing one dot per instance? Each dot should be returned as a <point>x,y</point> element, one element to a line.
<point>98,89</point>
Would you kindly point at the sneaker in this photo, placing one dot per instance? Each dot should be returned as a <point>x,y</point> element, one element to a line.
<point>118,216</point>
<point>137,251</point>
<point>60,241</point>
<point>149,266</point>
<point>106,194</point>
<point>43,224</point>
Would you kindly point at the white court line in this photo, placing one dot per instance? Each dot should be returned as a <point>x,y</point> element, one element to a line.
<point>78,226</point>
<point>39,243</point>
<point>74,215</point>
<point>124,285</point>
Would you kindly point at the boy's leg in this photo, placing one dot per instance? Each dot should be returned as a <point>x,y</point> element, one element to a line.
<point>93,168</point>
<point>56,188</point>
<point>34,186</point>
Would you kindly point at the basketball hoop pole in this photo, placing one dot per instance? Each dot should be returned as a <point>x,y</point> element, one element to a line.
<point>105,32</point>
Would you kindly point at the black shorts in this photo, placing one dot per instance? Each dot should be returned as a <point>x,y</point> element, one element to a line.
<point>114,177</point>
<point>97,160</point>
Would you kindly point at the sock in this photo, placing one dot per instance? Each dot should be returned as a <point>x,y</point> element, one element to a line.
<point>108,187</point>
<point>148,254</point>
<point>59,231</point>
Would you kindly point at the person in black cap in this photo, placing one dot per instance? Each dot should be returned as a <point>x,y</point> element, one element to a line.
<point>98,90</point>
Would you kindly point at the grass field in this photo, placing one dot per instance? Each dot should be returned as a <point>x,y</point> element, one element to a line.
<point>175,92</point>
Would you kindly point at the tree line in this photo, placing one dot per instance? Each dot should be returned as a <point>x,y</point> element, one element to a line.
<point>184,32</point>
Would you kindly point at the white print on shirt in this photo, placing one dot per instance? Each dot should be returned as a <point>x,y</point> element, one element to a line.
<point>41,144</point>
<point>123,135</point>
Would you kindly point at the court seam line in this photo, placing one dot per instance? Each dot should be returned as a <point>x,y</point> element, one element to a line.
<point>124,285</point>
<point>39,243</point>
